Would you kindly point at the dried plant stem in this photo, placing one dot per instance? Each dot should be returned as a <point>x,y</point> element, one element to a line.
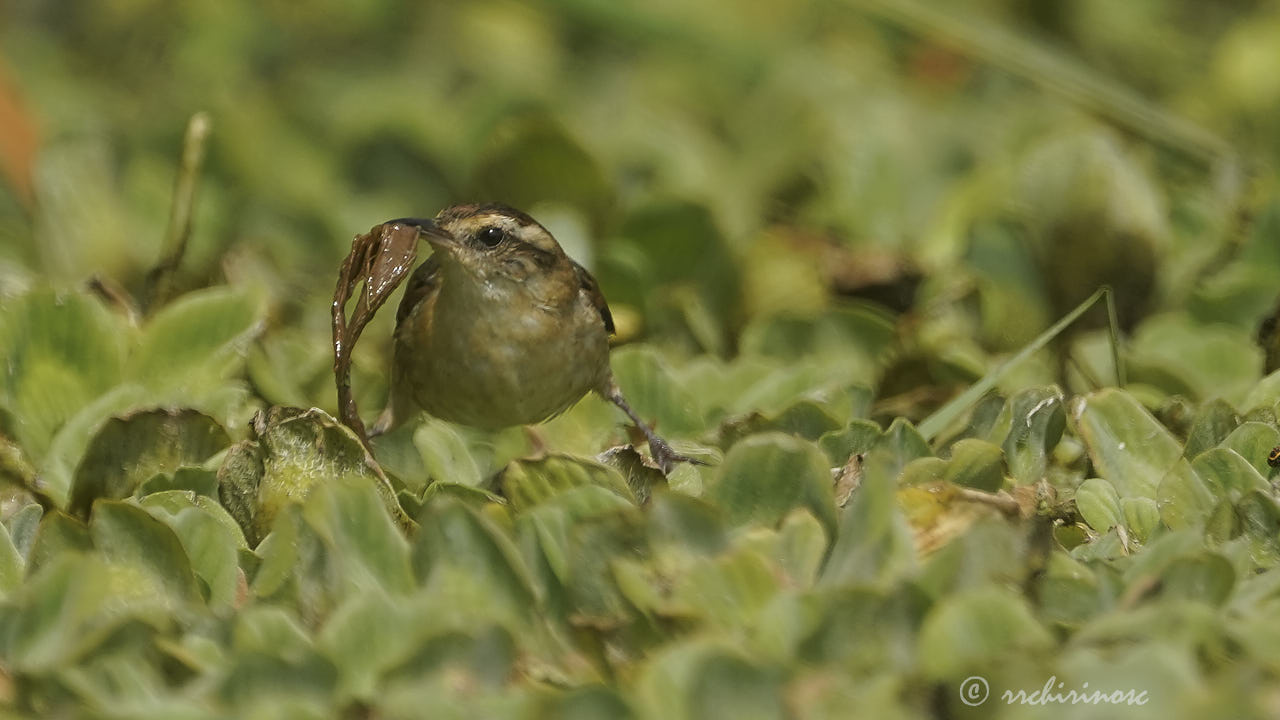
<point>160,279</point>
<point>1000,500</point>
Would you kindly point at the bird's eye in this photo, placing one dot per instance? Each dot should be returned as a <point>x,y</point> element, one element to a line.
<point>491,236</point>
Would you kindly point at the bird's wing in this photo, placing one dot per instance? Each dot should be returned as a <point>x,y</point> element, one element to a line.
<point>592,289</point>
<point>422,284</point>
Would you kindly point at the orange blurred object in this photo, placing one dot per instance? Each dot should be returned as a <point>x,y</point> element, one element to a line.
<point>18,140</point>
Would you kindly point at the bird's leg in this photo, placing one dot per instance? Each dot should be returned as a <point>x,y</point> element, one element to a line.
<point>663,454</point>
<point>384,422</point>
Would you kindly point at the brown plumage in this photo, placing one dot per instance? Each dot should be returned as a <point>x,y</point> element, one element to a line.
<point>500,327</point>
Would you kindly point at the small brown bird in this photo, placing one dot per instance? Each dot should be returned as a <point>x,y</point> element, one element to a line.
<point>499,327</point>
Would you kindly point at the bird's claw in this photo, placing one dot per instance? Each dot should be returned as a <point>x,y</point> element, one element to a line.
<point>666,457</point>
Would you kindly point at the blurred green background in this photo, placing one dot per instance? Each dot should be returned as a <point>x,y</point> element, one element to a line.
<point>815,223</point>
<point>715,163</point>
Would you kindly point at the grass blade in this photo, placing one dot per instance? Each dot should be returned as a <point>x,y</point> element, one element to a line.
<point>948,413</point>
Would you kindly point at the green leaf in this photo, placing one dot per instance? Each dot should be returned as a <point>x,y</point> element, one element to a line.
<point>802,545</point>
<point>672,684</point>
<point>957,406</point>
<point>1211,360</point>
<point>1029,427</point>
<point>1264,394</point>
<point>470,567</point>
<point>1222,524</point>
<point>484,654</point>
<point>990,552</point>
<point>751,385</point>
<point>526,483</point>
<point>595,552</point>
<point>857,438</point>
<point>472,496</point>
<point>369,549</point>
<point>1259,515</point>
<point>193,479</point>
<point>765,476</point>
<point>1141,516</point>
<point>238,479</point>
<point>364,637</point>
<point>874,545</point>
<point>977,464</point>
<point>1214,421</point>
<point>589,702</point>
<point>57,534</point>
<point>278,688</point>
<point>1206,577</point>
<point>286,364</point>
<point>1254,441</point>
<point>726,687</point>
<point>445,454</point>
<point>728,591</point>
<point>69,446</point>
<point>686,522</point>
<point>808,419</point>
<point>978,628</point>
<point>1099,504</point>
<point>57,353</point>
<point>923,471</point>
<point>280,552</point>
<point>77,603</point>
<point>295,451</point>
<point>53,612</point>
<point>210,537</point>
<point>859,335</point>
<point>866,629</point>
<point>22,526</point>
<point>132,538</point>
<point>675,248</point>
<point>1151,563</point>
<point>551,527</point>
<point>1128,447</point>
<point>903,443</point>
<point>11,564</point>
<point>653,391</point>
<point>128,451</point>
<point>1069,591</point>
<point>1227,474</point>
<point>193,340</point>
<point>1183,498</point>
<point>590,501</point>
<point>270,630</point>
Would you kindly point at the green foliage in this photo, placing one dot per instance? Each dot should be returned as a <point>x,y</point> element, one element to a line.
<point>129,451</point>
<point>816,224</point>
<point>292,453</point>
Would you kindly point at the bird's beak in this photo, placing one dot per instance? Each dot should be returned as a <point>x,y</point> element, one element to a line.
<point>430,231</point>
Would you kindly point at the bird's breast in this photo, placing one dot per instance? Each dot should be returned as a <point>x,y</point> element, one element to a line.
<point>503,358</point>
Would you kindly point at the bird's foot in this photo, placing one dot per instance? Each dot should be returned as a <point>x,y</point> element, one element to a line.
<point>666,457</point>
<point>663,455</point>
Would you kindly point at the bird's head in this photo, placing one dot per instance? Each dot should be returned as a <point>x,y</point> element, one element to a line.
<point>493,243</point>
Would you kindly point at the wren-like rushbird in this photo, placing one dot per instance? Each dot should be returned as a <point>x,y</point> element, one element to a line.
<point>499,327</point>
